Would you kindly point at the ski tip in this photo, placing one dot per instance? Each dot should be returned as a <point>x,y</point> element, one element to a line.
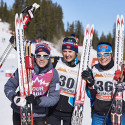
<point>117,21</point>
<point>92,30</point>
<point>16,19</point>
<point>87,29</point>
<point>122,21</point>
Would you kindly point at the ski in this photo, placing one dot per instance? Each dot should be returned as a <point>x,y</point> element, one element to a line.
<point>26,115</point>
<point>77,115</point>
<point>116,111</point>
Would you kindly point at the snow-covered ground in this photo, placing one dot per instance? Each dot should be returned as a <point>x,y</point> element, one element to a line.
<point>10,65</point>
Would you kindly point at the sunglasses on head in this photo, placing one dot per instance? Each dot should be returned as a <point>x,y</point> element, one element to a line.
<point>38,56</point>
<point>103,54</point>
<point>70,39</point>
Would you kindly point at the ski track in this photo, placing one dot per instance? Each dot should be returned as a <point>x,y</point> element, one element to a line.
<point>10,66</point>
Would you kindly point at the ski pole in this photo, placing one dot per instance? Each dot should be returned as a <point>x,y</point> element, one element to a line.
<point>115,93</point>
<point>110,106</point>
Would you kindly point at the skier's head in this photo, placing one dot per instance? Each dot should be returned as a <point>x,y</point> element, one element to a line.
<point>71,43</point>
<point>70,48</point>
<point>104,54</point>
<point>42,54</point>
<point>42,47</point>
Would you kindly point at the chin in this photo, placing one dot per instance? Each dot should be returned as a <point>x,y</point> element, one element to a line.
<point>103,64</point>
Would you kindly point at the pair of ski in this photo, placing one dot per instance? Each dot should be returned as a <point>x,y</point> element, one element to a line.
<point>116,105</point>
<point>11,45</point>
<point>77,115</point>
<point>24,70</point>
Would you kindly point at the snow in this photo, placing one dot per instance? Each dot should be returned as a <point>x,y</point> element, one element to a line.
<point>10,66</point>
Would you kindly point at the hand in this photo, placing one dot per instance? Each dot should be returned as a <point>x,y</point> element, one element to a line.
<point>117,75</point>
<point>26,21</point>
<point>32,99</point>
<point>87,75</point>
<point>12,39</point>
<point>19,101</point>
<point>120,86</point>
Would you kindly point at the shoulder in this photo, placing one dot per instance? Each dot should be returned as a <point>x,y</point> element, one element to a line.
<point>96,66</point>
<point>55,73</point>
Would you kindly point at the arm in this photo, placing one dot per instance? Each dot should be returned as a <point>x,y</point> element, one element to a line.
<point>11,86</point>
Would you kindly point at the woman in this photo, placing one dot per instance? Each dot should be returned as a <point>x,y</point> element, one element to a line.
<point>45,88</point>
<point>100,84</point>
<point>68,68</point>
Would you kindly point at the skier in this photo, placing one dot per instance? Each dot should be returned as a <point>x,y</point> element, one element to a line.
<point>67,67</point>
<point>100,84</point>
<point>45,87</point>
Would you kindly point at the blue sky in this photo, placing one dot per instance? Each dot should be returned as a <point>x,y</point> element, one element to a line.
<point>101,13</point>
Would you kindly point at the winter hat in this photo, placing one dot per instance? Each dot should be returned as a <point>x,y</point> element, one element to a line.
<point>42,47</point>
<point>71,43</point>
<point>104,47</point>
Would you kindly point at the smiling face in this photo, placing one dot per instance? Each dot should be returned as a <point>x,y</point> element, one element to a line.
<point>41,62</point>
<point>68,55</point>
<point>104,59</point>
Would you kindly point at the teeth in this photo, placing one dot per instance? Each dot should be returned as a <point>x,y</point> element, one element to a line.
<point>41,62</point>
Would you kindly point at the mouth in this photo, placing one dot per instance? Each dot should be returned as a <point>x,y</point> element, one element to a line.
<point>41,62</point>
<point>103,61</point>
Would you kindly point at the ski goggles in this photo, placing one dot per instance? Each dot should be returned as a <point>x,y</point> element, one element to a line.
<point>70,39</point>
<point>103,54</point>
<point>38,56</point>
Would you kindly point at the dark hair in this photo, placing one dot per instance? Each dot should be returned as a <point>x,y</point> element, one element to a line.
<point>105,43</point>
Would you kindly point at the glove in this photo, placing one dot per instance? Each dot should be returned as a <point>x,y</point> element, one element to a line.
<point>29,14</point>
<point>12,39</point>
<point>87,75</point>
<point>32,99</point>
<point>26,21</point>
<point>120,86</point>
<point>19,101</point>
<point>117,75</point>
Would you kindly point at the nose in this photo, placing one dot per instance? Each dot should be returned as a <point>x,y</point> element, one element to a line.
<point>103,56</point>
<point>41,58</point>
<point>67,54</point>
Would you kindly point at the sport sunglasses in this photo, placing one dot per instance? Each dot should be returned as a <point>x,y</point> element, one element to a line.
<point>103,54</point>
<point>70,39</point>
<point>38,56</point>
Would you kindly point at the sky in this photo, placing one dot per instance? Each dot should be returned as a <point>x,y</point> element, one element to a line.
<point>101,13</point>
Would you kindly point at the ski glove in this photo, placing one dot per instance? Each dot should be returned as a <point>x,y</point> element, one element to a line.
<point>12,39</point>
<point>117,75</point>
<point>32,99</point>
<point>19,101</point>
<point>87,75</point>
<point>29,11</point>
<point>120,86</point>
